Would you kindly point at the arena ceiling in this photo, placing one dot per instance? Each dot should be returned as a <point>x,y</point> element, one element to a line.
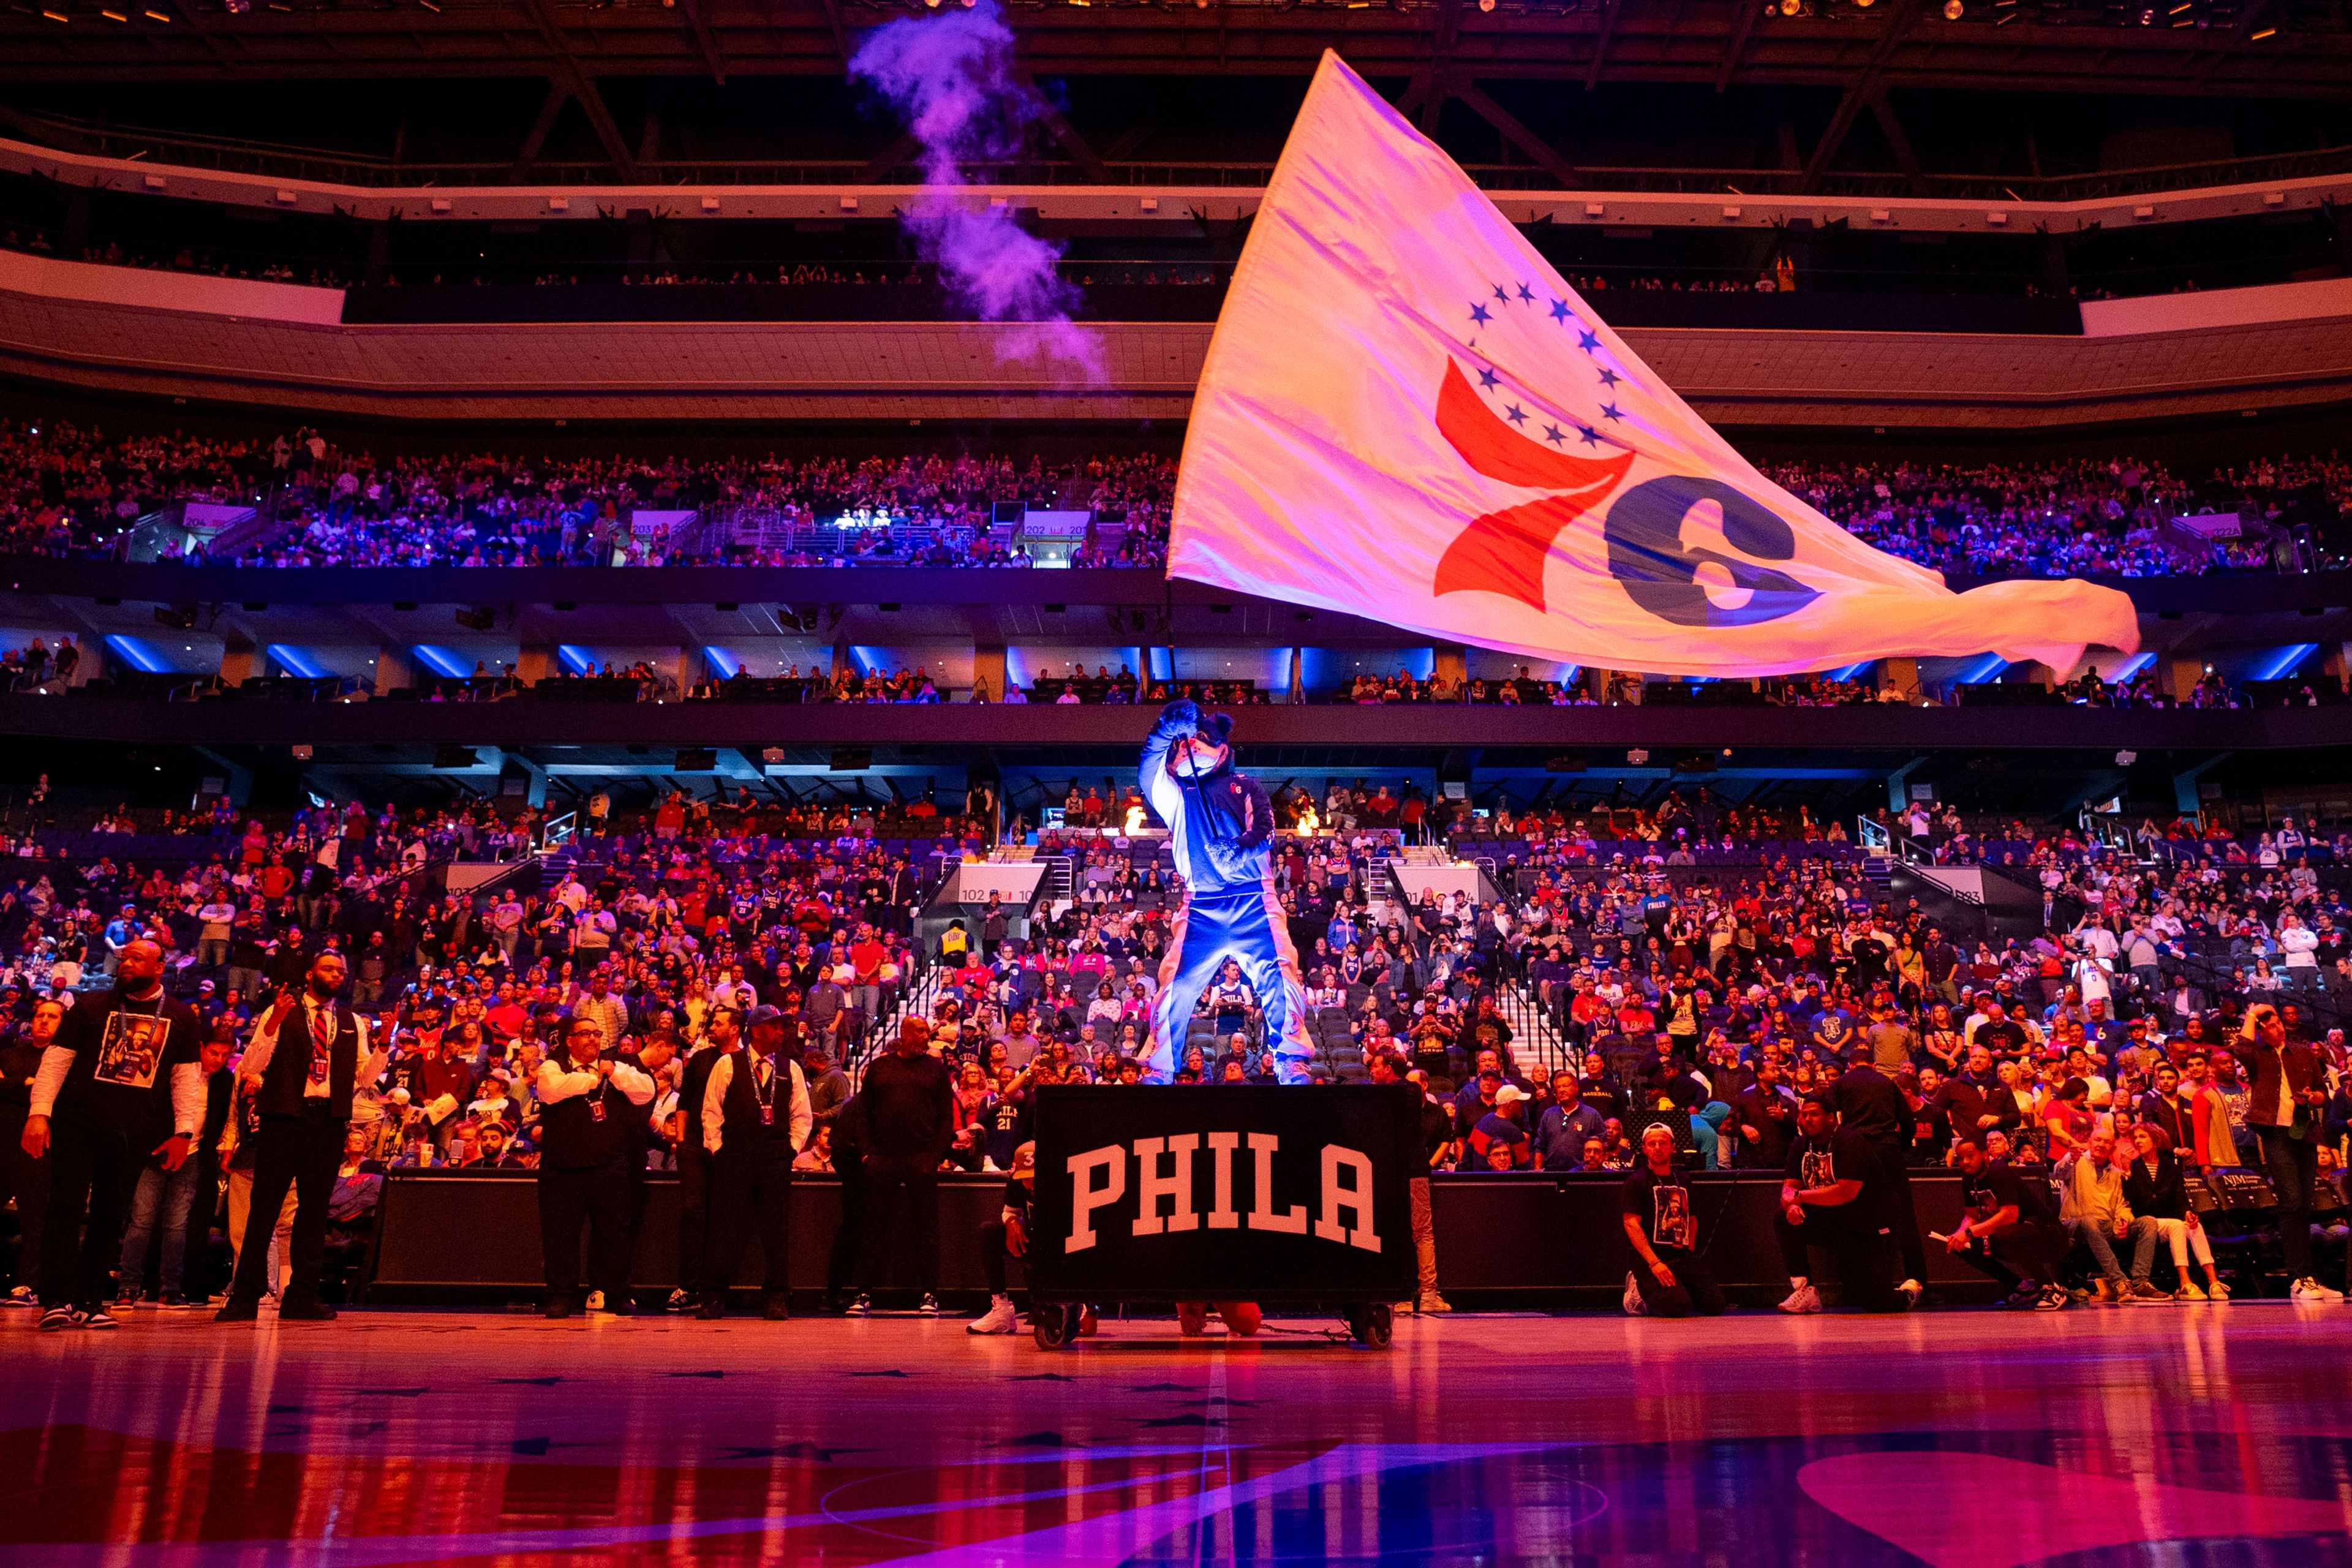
<point>2246,47</point>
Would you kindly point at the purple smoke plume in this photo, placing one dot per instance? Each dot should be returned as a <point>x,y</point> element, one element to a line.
<point>950,76</point>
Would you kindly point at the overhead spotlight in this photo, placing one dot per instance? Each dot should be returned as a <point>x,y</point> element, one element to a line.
<point>771,755</point>
<point>478,620</point>
<point>2125,759</point>
<point>1954,10</point>
<point>1485,5</point>
<point>1864,5</point>
<point>1790,7</point>
<point>179,617</point>
<point>1636,757</point>
<point>304,753</point>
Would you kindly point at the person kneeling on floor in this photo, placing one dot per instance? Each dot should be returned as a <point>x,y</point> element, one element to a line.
<point>1835,1196</point>
<point>1671,1279</point>
<point>1007,1235</point>
<point>2011,1230</point>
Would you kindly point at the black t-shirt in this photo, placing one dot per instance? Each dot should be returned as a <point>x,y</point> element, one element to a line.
<point>1663,1205</point>
<point>2005,1038</point>
<point>1841,1156</point>
<point>1869,1104</point>
<point>1999,1185</point>
<point>124,1054</point>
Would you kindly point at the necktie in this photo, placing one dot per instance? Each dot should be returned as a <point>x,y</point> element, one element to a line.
<point>323,1036</point>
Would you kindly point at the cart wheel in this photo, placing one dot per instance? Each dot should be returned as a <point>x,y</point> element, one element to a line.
<point>1051,1326</point>
<point>1372,1324</point>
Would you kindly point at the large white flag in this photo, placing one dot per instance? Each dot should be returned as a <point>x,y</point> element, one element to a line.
<point>1408,416</point>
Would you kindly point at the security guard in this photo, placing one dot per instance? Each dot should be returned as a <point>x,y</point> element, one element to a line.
<point>755,1117</point>
<point>588,1102</point>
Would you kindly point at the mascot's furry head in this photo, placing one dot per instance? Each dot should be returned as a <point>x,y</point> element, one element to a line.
<point>1215,730</point>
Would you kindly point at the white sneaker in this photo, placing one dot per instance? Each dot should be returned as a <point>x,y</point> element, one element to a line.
<point>1911,1290</point>
<point>596,1302</point>
<point>1803,1299</point>
<point>2313,1290</point>
<point>1634,1306</point>
<point>1000,1318</point>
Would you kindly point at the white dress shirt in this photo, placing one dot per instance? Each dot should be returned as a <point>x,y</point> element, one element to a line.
<point>714,1100</point>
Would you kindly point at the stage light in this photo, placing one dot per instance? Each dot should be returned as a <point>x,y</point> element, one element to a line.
<point>2125,759</point>
<point>1636,757</point>
<point>1954,10</point>
<point>303,754</point>
<point>1482,5</point>
<point>2265,33</point>
<point>1864,5</point>
<point>180,618</point>
<point>478,620</point>
<point>1790,7</point>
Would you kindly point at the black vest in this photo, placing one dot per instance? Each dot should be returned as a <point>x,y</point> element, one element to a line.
<point>283,1080</point>
<point>570,1138</point>
<point>742,1131</point>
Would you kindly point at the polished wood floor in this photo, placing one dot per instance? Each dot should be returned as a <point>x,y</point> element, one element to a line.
<point>2175,1436</point>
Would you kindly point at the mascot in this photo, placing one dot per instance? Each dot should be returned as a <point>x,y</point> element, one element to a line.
<point>1219,823</point>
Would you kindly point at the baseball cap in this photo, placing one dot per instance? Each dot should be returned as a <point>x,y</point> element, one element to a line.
<point>1508,1094</point>
<point>762,1013</point>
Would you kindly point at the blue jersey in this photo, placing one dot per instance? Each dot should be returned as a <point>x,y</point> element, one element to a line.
<point>1219,827</point>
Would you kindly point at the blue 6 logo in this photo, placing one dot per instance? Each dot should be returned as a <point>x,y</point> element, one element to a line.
<point>1646,554</point>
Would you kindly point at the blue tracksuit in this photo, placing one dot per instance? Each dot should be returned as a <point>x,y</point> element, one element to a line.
<point>1219,826</point>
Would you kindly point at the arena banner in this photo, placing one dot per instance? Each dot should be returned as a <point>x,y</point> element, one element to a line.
<point>1407,414</point>
<point>1224,1192</point>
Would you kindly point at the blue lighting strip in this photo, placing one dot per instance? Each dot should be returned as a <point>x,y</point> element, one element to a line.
<point>441,661</point>
<point>297,661</point>
<point>139,654</point>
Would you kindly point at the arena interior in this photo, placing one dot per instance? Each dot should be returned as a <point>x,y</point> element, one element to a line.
<point>659,697</point>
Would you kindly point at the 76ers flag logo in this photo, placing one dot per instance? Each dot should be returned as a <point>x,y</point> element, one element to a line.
<point>1406,414</point>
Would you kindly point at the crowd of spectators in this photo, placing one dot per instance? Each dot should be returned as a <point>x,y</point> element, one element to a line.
<point>1614,982</point>
<point>2085,518</point>
<point>66,490</point>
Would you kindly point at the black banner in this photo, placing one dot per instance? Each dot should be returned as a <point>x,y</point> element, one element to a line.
<point>1224,1192</point>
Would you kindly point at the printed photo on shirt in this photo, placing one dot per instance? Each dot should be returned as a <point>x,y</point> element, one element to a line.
<point>1672,1224</point>
<point>131,1049</point>
<point>1819,1168</point>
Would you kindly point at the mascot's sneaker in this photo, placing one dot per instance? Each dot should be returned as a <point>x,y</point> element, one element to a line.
<point>1191,1319</point>
<point>1803,1299</point>
<point>1000,1318</point>
<point>1241,1318</point>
